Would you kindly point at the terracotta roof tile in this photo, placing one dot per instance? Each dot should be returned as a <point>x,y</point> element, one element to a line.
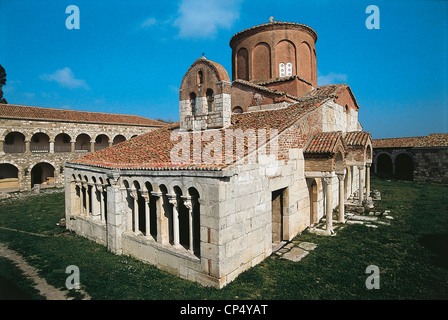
<point>357,138</point>
<point>38,113</point>
<point>152,150</point>
<point>323,143</point>
<point>432,140</point>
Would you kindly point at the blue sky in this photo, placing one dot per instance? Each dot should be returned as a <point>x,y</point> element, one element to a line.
<point>130,56</point>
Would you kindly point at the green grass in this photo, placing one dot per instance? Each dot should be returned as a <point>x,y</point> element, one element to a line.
<point>411,254</point>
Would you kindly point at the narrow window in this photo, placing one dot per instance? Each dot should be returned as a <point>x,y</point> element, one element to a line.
<point>200,77</point>
<point>193,103</point>
<point>282,70</point>
<point>289,69</point>
<point>210,100</point>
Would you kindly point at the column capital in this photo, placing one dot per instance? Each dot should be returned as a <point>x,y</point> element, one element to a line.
<point>361,167</point>
<point>172,200</point>
<point>188,203</point>
<point>341,176</point>
<point>368,165</point>
<point>146,196</point>
<point>327,180</point>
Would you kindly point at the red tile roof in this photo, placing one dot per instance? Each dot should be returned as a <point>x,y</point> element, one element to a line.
<point>357,138</point>
<point>432,140</point>
<point>323,143</point>
<point>10,111</point>
<point>152,150</point>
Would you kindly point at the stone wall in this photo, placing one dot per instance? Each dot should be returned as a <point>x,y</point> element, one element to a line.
<point>431,165</point>
<point>48,148</point>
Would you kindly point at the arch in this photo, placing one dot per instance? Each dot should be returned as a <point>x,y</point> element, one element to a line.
<point>101,142</point>
<point>14,142</point>
<point>404,166</point>
<point>285,52</point>
<point>210,100</point>
<point>200,77</point>
<point>193,103</point>
<point>237,109</point>
<point>9,177</point>
<point>82,143</point>
<point>339,162</point>
<point>40,143</point>
<point>261,61</point>
<point>42,173</point>
<point>62,143</point>
<point>305,61</point>
<point>369,153</point>
<point>119,138</point>
<point>196,213</point>
<point>242,64</point>
<point>384,165</point>
<point>314,205</point>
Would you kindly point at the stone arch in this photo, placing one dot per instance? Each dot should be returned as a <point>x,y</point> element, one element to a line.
<point>313,189</point>
<point>9,177</point>
<point>261,61</point>
<point>14,142</point>
<point>384,165</point>
<point>242,64</point>
<point>196,217</point>
<point>62,142</point>
<point>43,173</point>
<point>82,143</point>
<point>101,141</point>
<point>118,139</point>
<point>40,142</point>
<point>404,166</point>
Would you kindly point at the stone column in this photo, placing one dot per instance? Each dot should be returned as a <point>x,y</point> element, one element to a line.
<point>189,205</point>
<point>368,180</point>
<point>92,146</point>
<point>2,151</point>
<point>110,143</point>
<point>361,187</point>
<point>134,195</point>
<point>79,185</point>
<point>146,197</point>
<point>27,147</point>
<point>341,178</point>
<point>329,209</point>
<point>51,146</point>
<point>96,214</point>
<point>102,204</point>
<point>72,146</point>
<point>173,201</point>
<point>162,236</point>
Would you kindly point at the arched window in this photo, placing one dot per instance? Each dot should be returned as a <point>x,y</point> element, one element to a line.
<point>282,69</point>
<point>193,103</point>
<point>210,100</point>
<point>237,110</point>
<point>200,77</point>
<point>289,69</point>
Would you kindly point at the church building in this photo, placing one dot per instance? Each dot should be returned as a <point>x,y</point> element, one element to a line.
<point>253,162</point>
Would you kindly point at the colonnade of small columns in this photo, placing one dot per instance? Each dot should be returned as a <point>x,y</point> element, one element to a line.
<point>341,187</point>
<point>89,199</point>
<point>89,204</point>
<point>162,201</point>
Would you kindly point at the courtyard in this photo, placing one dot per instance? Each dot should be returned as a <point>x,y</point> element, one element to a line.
<point>407,242</point>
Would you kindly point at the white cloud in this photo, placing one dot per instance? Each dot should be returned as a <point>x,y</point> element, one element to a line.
<point>66,79</point>
<point>203,18</point>
<point>330,78</point>
<point>148,23</point>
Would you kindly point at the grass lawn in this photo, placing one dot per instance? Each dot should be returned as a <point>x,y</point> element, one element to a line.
<point>411,254</point>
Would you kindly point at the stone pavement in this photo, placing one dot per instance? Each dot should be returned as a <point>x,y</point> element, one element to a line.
<point>295,250</point>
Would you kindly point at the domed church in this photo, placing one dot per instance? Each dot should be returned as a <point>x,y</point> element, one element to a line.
<point>253,161</point>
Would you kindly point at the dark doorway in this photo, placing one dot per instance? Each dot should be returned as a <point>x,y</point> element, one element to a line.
<point>404,167</point>
<point>384,165</point>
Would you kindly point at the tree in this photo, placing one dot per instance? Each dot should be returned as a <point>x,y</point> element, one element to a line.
<point>2,83</point>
